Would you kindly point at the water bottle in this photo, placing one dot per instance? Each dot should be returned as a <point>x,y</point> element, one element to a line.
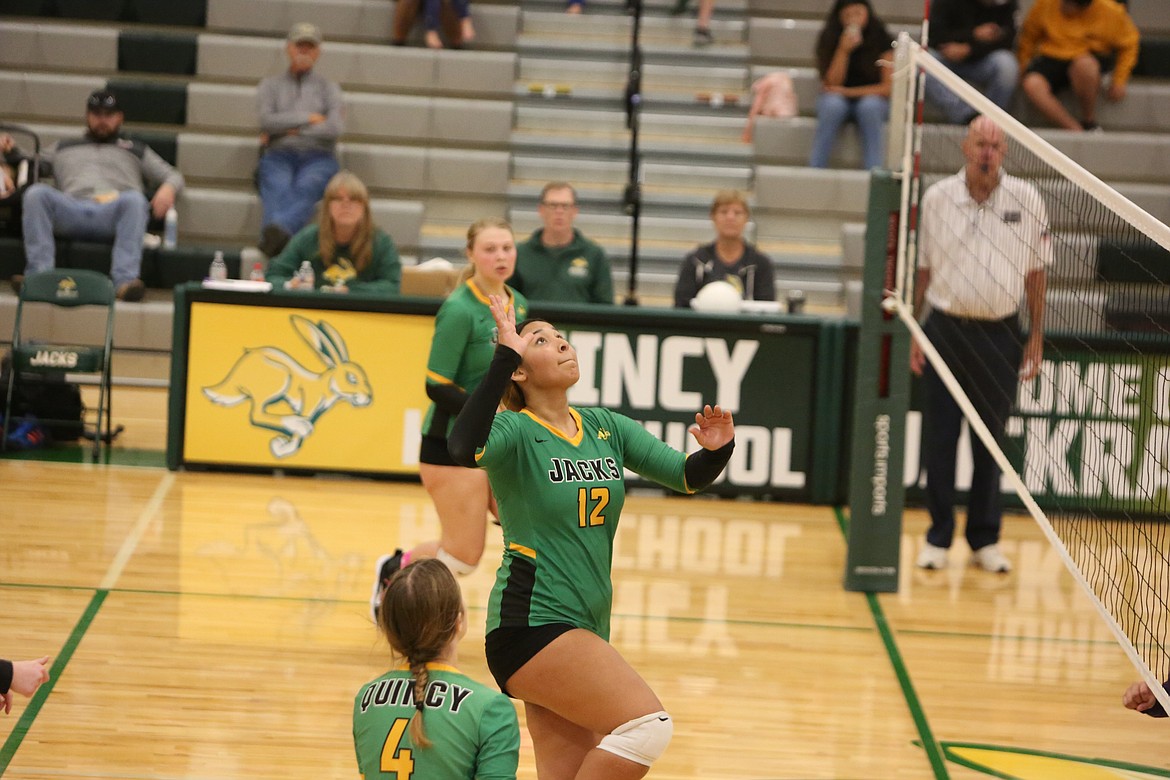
<point>306,276</point>
<point>218,270</point>
<point>171,229</point>
<point>257,274</point>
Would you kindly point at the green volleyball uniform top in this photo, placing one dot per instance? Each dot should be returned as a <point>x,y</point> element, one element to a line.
<point>560,498</point>
<point>473,729</point>
<point>461,351</point>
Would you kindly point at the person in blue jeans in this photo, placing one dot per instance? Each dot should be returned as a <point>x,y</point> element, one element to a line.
<point>301,118</point>
<point>431,18</point>
<point>974,38</point>
<point>101,178</point>
<point>854,53</point>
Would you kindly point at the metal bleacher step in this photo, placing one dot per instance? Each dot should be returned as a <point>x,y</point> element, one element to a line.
<point>569,133</point>
<point>655,29</point>
<point>733,9</point>
<point>609,77</point>
<point>535,170</point>
<point>614,147</point>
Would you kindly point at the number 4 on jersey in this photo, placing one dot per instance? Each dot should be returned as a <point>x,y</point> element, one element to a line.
<point>599,496</point>
<point>396,759</point>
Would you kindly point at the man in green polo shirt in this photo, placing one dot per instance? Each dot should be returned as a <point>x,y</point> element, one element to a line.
<point>557,263</point>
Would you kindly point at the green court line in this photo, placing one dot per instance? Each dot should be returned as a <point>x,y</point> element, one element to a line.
<point>950,747</point>
<point>671,618</point>
<point>59,663</point>
<point>470,607</point>
<point>933,751</point>
<point>121,456</point>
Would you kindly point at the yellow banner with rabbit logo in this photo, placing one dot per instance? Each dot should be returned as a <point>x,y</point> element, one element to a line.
<point>305,388</point>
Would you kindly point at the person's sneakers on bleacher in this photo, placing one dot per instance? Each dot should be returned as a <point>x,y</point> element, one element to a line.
<point>989,558</point>
<point>931,557</point>
<point>703,37</point>
<point>273,239</point>
<point>131,291</point>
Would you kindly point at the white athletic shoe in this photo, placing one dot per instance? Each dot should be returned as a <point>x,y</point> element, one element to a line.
<point>989,558</point>
<point>384,569</point>
<point>932,557</point>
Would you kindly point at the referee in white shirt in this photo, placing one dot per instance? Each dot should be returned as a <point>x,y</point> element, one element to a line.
<point>983,247</point>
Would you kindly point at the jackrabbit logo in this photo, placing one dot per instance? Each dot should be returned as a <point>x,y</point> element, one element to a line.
<point>268,377</point>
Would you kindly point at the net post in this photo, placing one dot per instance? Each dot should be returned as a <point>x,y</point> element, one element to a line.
<point>882,399</point>
<point>1105,498</point>
<point>901,112</point>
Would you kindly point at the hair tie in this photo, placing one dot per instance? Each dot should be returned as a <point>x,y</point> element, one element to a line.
<point>419,706</point>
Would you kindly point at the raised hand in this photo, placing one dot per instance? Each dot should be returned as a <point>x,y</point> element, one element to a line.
<point>505,317</point>
<point>713,427</point>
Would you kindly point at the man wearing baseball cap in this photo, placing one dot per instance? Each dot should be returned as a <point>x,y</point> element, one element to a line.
<point>301,118</point>
<point>101,178</point>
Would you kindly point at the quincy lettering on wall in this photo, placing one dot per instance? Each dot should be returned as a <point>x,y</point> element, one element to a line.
<point>338,383</point>
<point>661,378</point>
<point>1092,430</point>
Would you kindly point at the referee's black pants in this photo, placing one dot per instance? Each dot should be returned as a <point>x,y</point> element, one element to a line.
<point>984,356</point>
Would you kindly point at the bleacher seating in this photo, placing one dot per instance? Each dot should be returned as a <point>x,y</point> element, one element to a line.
<point>443,137</point>
<point>428,135</point>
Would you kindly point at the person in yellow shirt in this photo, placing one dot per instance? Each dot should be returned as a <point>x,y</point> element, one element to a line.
<point>1071,43</point>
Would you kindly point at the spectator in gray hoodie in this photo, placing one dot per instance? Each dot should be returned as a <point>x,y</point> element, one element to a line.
<point>101,179</point>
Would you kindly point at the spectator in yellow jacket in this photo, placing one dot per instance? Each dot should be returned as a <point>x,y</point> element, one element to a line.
<point>1071,43</point>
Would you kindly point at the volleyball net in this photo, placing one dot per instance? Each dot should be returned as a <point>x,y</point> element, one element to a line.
<point>1086,447</point>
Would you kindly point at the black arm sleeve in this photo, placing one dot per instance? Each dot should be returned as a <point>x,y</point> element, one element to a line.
<point>474,422</point>
<point>5,676</point>
<point>704,466</point>
<point>448,398</point>
<point>687,285</point>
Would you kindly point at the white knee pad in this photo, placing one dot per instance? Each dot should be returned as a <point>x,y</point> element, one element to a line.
<point>641,740</point>
<point>457,567</point>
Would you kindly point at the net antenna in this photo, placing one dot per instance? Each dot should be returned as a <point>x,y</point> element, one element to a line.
<point>1117,548</point>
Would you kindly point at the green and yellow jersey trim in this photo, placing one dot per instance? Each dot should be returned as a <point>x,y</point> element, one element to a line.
<point>439,379</point>
<point>527,552</point>
<point>555,431</point>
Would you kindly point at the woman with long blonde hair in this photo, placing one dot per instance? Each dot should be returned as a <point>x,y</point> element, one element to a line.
<point>345,249</point>
<point>425,718</point>
<point>460,353</point>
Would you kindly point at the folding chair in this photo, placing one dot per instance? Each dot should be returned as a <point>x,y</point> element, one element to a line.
<point>25,170</point>
<point>64,289</point>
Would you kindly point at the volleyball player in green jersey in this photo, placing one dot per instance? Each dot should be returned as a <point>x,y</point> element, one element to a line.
<point>461,350</point>
<point>557,473</point>
<point>426,720</point>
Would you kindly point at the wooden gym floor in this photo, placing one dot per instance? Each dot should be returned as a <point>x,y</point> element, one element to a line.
<point>215,626</point>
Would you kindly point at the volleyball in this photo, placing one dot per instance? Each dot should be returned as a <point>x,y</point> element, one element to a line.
<point>717,297</point>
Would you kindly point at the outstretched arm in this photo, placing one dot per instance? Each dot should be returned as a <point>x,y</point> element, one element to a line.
<point>474,422</point>
<point>714,430</point>
<point>23,677</point>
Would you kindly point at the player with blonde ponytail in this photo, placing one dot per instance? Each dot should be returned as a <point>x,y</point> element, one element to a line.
<point>425,718</point>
